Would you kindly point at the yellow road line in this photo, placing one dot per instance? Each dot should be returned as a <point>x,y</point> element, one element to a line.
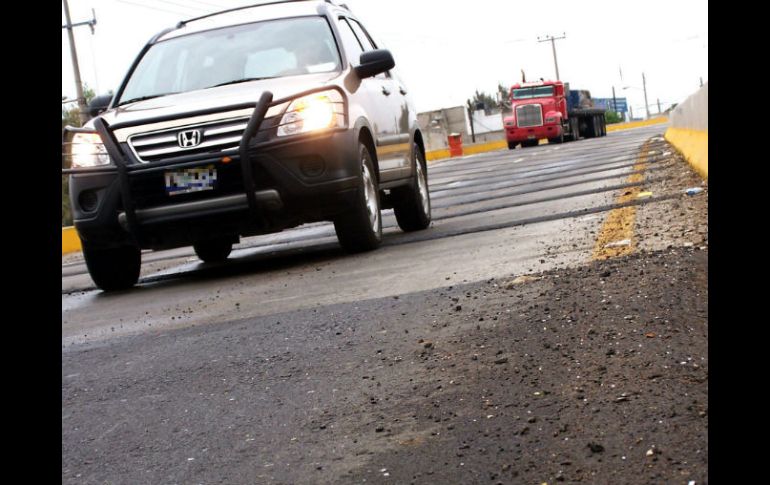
<point>70,242</point>
<point>619,224</point>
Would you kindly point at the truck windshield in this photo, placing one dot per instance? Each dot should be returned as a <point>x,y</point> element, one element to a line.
<point>269,49</point>
<point>535,92</point>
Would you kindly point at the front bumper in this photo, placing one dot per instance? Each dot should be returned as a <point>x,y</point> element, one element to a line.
<point>516,134</point>
<point>281,184</point>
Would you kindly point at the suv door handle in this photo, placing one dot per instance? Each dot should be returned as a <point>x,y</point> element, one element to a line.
<point>402,90</point>
<point>385,91</point>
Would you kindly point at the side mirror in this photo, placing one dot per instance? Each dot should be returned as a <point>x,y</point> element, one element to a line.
<point>98,105</point>
<point>375,62</point>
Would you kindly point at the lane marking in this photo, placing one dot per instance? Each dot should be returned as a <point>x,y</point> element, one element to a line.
<point>619,224</point>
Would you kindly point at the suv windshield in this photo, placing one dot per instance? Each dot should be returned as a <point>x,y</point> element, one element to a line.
<point>538,92</point>
<point>269,49</point>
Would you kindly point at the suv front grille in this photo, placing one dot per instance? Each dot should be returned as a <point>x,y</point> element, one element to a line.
<point>214,138</point>
<point>529,115</point>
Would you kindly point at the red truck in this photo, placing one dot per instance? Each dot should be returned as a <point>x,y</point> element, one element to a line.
<point>548,109</point>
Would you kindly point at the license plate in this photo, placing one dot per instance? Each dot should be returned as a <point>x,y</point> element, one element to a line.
<point>531,137</point>
<point>190,180</point>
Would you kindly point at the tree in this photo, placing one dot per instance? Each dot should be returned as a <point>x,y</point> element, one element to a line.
<point>612,117</point>
<point>71,117</point>
<point>488,101</point>
<point>504,95</point>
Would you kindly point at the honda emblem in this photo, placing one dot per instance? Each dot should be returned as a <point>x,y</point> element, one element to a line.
<point>189,138</point>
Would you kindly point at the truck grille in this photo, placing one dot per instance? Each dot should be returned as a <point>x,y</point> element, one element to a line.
<point>529,115</point>
<point>212,138</point>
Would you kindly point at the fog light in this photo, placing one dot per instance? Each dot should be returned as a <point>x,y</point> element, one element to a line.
<point>312,167</point>
<point>88,200</point>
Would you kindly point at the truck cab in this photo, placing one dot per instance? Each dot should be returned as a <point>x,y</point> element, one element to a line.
<point>549,110</point>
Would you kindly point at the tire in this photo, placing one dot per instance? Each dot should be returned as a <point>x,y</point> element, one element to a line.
<point>213,250</point>
<point>411,204</point>
<point>558,140</point>
<point>575,128</point>
<point>511,145</point>
<point>113,269</point>
<point>360,229</point>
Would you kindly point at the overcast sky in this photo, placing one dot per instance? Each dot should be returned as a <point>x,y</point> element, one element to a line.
<point>445,50</point>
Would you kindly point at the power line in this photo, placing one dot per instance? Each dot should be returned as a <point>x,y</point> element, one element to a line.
<point>154,8</point>
<point>185,6</point>
<point>553,45</point>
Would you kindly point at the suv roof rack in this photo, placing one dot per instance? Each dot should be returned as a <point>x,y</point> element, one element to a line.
<point>262,4</point>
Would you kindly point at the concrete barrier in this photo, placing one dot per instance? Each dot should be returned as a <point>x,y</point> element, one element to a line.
<point>689,130</point>
<point>70,242</point>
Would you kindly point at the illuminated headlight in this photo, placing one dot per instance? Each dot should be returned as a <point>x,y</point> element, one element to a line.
<point>88,151</point>
<point>315,112</point>
<point>550,120</point>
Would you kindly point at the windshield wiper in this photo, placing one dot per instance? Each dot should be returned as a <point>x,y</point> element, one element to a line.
<point>143,98</point>
<point>244,80</point>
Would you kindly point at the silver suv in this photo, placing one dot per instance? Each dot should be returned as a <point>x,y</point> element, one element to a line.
<point>244,122</point>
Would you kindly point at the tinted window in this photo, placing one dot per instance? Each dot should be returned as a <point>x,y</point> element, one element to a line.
<point>537,92</point>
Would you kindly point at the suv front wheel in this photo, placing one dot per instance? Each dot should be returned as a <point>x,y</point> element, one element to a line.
<point>360,229</point>
<point>213,250</point>
<point>113,268</point>
<point>411,204</point>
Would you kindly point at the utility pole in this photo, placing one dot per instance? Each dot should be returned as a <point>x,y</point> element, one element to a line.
<point>75,67</point>
<point>614,101</point>
<point>631,109</point>
<point>701,81</point>
<point>470,118</point>
<point>553,46</point>
<point>658,105</point>
<point>646,104</point>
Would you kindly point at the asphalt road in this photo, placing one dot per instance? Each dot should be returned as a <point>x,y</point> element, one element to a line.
<point>421,362</point>
<point>494,214</point>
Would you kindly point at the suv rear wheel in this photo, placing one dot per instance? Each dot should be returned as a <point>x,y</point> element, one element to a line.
<point>213,250</point>
<point>360,229</point>
<point>113,268</point>
<point>411,204</point>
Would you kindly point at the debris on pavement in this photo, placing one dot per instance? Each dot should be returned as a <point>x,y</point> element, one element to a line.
<point>616,244</point>
<point>693,190</point>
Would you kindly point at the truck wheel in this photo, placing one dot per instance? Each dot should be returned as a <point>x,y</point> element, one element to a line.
<point>411,204</point>
<point>575,129</point>
<point>511,145</point>
<point>360,229</point>
<point>557,140</point>
<point>213,250</point>
<point>113,268</point>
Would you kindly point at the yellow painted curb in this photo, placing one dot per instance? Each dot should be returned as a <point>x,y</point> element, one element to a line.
<point>468,149</point>
<point>636,124</point>
<point>693,145</point>
<point>70,242</point>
